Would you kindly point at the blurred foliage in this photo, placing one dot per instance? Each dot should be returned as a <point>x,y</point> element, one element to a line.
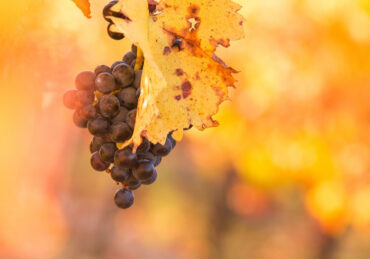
<point>285,175</point>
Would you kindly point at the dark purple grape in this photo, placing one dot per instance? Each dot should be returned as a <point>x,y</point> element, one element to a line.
<point>127,97</point>
<point>152,179</point>
<point>79,120</point>
<point>162,150</point>
<point>134,48</point>
<point>84,98</point>
<point>129,57</point>
<point>124,74</point>
<point>119,62</point>
<point>137,79</point>
<point>131,118</point>
<point>109,106</point>
<point>132,183</point>
<point>85,81</point>
<point>124,198</point>
<point>124,158</point>
<point>157,161</point>
<point>119,174</point>
<point>88,111</point>
<point>107,152</point>
<point>121,116</point>
<point>102,69</point>
<point>146,157</point>
<point>105,83</point>
<point>120,132</point>
<point>98,126</point>
<point>97,142</point>
<point>133,63</point>
<point>144,171</point>
<point>97,163</point>
<point>144,146</point>
<point>69,99</point>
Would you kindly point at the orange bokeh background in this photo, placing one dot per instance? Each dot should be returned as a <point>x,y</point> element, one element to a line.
<point>285,175</point>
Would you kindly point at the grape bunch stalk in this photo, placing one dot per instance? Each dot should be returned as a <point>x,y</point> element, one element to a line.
<point>105,102</point>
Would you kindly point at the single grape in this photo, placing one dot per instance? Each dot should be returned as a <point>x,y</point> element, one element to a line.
<point>97,142</point>
<point>124,158</point>
<point>144,146</point>
<point>129,57</point>
<point>144,171</point>
<point>98,126</point>
<point>69,99</point>
<point>121,116</point>
<point>124,198</point>
<point>102,69</point>
<point>131,118</point>
<point>119,62</point>
<point>151,179</point>
<point>124,74</point>
<point>134,48</point>
<point>157,161</point>
<point>127,97</point>
<point>146,157</point>
<point>120,132</point>
<point>88,111</point>
<point>107,151</point>
<point>97,163</point>
<point>79,120</point>
<point>105,83</point>
<point>162,150</point>
<point>109,106</point>
<point>137,79</point>
<point>85,81</point>
<point>119,174</point>
<point>132,183</point>
<point>84,98</point>
<point>133,64</point>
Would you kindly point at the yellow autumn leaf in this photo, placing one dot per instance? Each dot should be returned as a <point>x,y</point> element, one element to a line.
<point>84,6</point>
<point>183,81</point>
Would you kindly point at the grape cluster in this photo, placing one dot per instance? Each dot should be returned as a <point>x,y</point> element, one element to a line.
<point>105,103</point>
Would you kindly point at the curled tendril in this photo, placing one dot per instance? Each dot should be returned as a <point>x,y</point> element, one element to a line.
<point>114,35</point>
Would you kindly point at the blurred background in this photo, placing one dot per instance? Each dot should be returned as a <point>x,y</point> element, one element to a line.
<point>285,175</point>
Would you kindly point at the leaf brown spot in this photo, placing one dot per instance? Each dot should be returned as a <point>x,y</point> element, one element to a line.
<point>178,97</point>
<point>194,9</point>
<point>152,7</point>
<point>197,77</point>
<point>179,72</point>
<point>186,89</point>
<point>166,51</point>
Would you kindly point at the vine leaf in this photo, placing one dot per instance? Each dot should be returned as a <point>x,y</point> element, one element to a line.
<point>84,6</point>
<point>183,81</point>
